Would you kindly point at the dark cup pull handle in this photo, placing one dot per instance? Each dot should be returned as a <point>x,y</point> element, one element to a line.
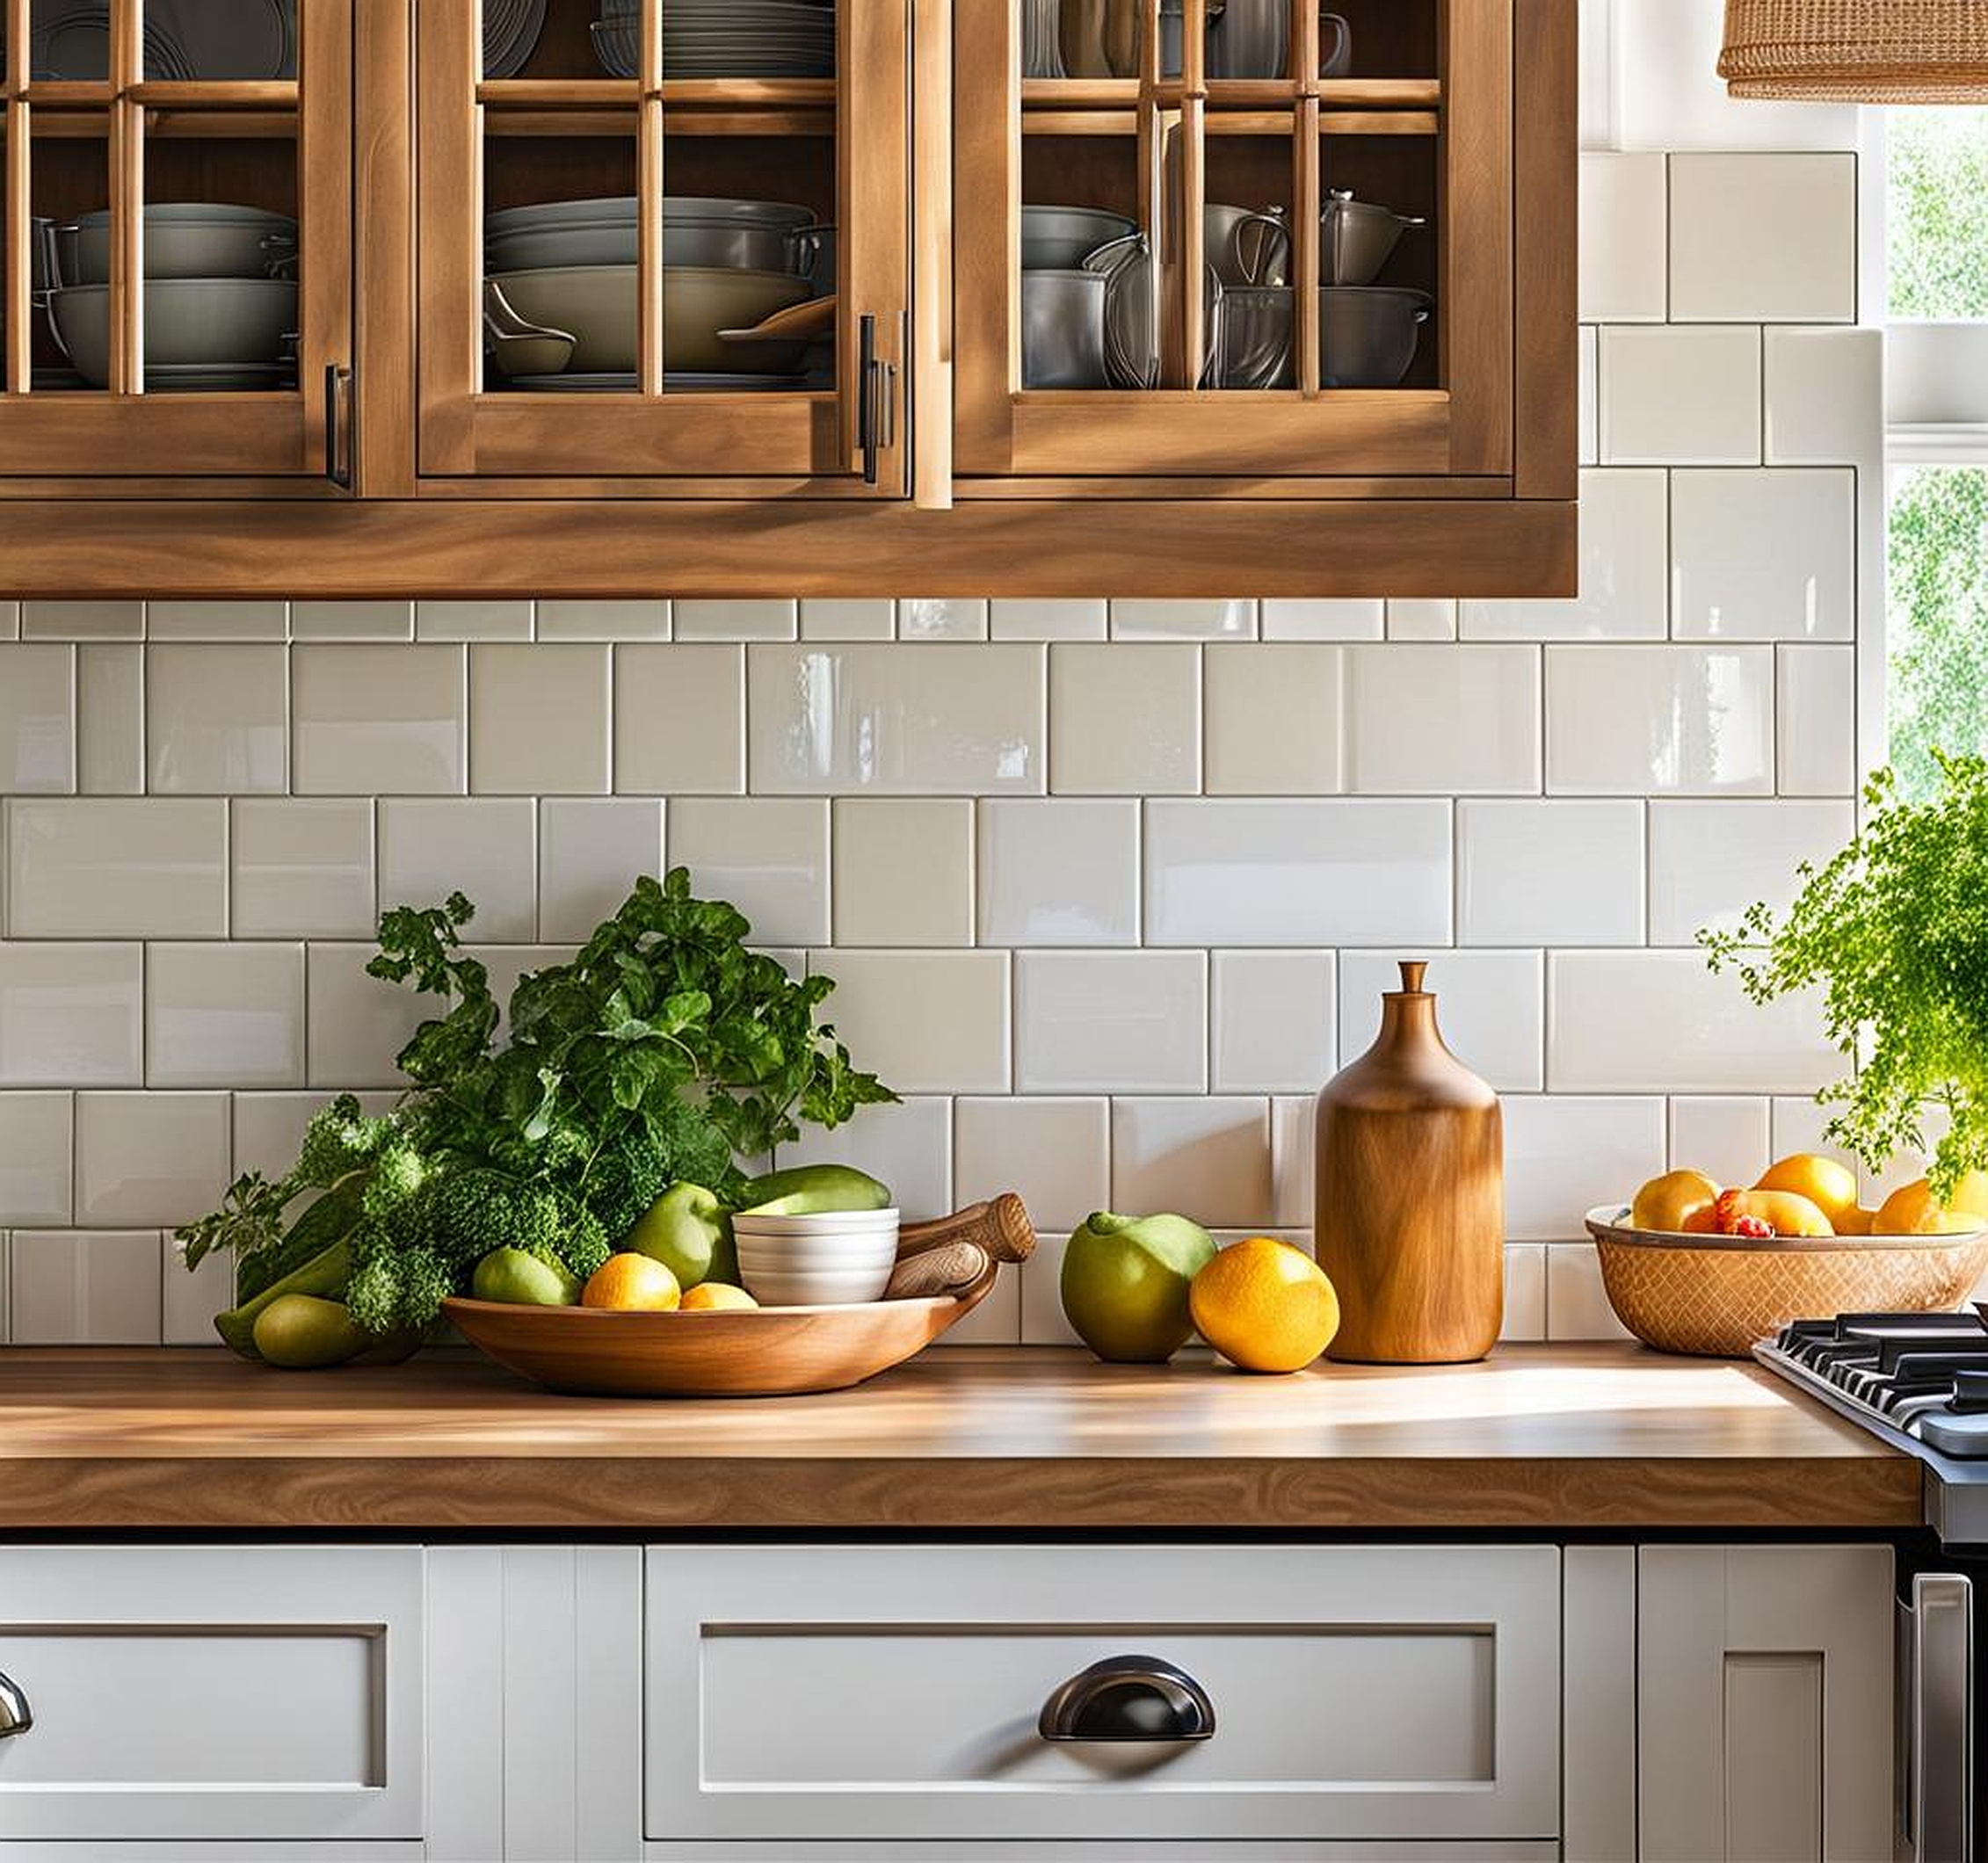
<point>16,1717</point>
<point>876,398</point>
<point>339,453</point>
<point>1126,1699</point>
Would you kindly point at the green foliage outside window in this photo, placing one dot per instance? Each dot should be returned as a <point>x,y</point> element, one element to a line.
<point>1937,171</point>
<point>1938,614</point>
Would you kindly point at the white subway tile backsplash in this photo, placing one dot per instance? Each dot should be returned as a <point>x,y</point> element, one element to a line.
<point>1817,702</point>
<point>1624,277</point>
<point>1824,396</point>
<point>679,719</point>
<point>1154,618</point>
<point>1653,721</point>
<point>301,868</point>
<point>71,1015</point>
<point>224,1015</point>
<point>1625,571</point>
<point>473,620</point>
<point>1298,872</point>
<point>857,720</point>
<point>37,718</point>
<point>84,1287</point>
<point>1577,1303</point>
<point>355,1025</point>
<point>592,851</point>
<point>1564,1155</point>
<point>1679,396</point>
<point>98,867</point>
<point>486,848</point>
<point>150,1158</point>
<point>373,720</point>
<point>1043,1320</point>
<point>904,870</point>
<point>352,620</point>
<point>1801,1124</point>
<point>768,856</point>
<point>189,1301</point>
<point>734,621</point>
<point>95,620</point>
<point>1272,1020</point>
<point>269,1126</point>
<point>908,1147</point>
<point>1293,1129</point>
<point>1044,618</point>
<point>848,619</point>
<point>1525,1294</point>
<point>1321,619</point>
<point>1489,1004</point>
<point>1125,721</point>
<point>1726,1135</point>
<point>1764,555</point>
<point>1208,1158</point>
<point>1274,718</point>
<point>1587,444</point>
<point>1111,1021</point>
<point>1767,237</point>
<point>1629,1021</point>
<point>1537,872</point>
<point>1422,620</point>
<point>924,1021</point>
<point>111,679</point>
<point>926,618</point>
<point>1437,721</point>
<point>212,620</point>
<point>608,620</point>
<point>1709,861</point>
<point>217,719</point>
<point>37,1137</point>
<point>537,720</point>
<point>1059,871</point>
<point>1054,1153</point>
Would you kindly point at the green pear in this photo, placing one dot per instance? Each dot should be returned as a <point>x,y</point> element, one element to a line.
<point>690,1232</point>
<point>300,1333</point>
<point>813,1190</point>
<point>1125,1284</point>
<point>521,1279</point>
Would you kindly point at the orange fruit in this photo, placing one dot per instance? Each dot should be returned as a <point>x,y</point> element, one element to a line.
<point>1703,1222</point>
<point>1830,1185</point>
<point>1667,1202</point>
<point>716,1297</point>
<point>631,1283</point>
<point>1856,1220</point>
<point>1910,1210</point>
<point>1264,1306</point>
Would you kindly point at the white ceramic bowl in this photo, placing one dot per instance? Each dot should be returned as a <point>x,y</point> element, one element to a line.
<point>817,1261</point>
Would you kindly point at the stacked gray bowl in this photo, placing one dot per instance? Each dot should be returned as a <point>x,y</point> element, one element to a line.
<point>723,38</point>
<point>1063,300</point>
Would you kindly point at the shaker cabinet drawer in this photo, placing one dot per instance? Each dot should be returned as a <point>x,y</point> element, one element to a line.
<point>213,1692</point>
<point>1344,1693</point>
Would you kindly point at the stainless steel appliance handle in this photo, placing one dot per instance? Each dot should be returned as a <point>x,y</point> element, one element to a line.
<point>16,1717</point>
<point>1935,1719</point>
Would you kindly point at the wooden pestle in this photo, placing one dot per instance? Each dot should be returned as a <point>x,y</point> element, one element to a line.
<point>951,1268</point>
<point>1001,1227</point>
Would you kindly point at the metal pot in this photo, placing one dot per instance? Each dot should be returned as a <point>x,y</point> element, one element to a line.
<point>208,321</point>
<point>1245,246</point>
<point>1139,299</point>
<point>1060,239</point>
<point>1253,40</point>
<point>1062,330</point>
<point>1357,238</point>
<point>1367,334</point>
<point>1257,345</point>
<point>184,240</point>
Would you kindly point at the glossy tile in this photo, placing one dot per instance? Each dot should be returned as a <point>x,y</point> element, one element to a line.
<point>1625,571</point>
<point>217,620</point>
<point>107,621</point>
<point>1294,1125</point>
<point>997,1320</point>
<point>1059,873</point>
<point>224,1015</point>
<point>1629,1021</point>
<point>1125,720</point>
<point>679,719</point>
<point>100,867</point>
<point>1272,1020</point>
<point>1043,1320</point>
<point>1817,690</point>
<point>1298,872</point>
<point>486,849</point>
<point>537,720</point>
<point>474,620</point>
<point>1726,1135</point>
<point>155,1158</point>
<point>1623,259</point>
<point>1799,1124</point>
<point>1659,719</point>
<point>932,618</point>
<point>873,720</point>
<point>368,721</point>
<point>1679,396</point>
<point>597,620</point>
<point>301,868</point>
<point>909,1146</point>
<point>769,856</point>
<point>590,853</point>
<point>217,719</point>
<point>1525,1294</point>
<point>1028,619</point>
<point>1588,446</point>
<point>1532,872</point>
<point>1763,237</point>
<point>1577,1303</point>
<point>1566,1153</point>
<point>1709,861</point>
<point>1434,721</point>
<point>37,1138</point>
<point>730,621</point>
<point>1155,618</point>
<point>71,1015</point>
<point>1764,555</point>
<point>1111,1021</point>
<point>1422,620</point>
<point>37,718</point>
<point>352,620</point>
<point>848,619</point>
<point>84,1287</point>
<point>189,1301</point>
<point>1207,1158</point>
<point>1273,716</point>
<point>1824,396</point>
<point>1322,620</point>
<point>1490,1006</point>
<point>111,680</point>
<point>924,1021</point>
<point>1054,1153</point>
<point>354,1025</point>
<point>904,870</point>
<point>268,1127</point>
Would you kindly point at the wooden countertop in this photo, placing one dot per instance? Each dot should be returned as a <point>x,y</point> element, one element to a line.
<point>1540,1438</point>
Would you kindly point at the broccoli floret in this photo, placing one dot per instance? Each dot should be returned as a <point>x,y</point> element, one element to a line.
<point>338,1140</point>
<point>396,1285</point>
<point>625,1180</point>
<point>399,1171</point>
<point>583,1243</point>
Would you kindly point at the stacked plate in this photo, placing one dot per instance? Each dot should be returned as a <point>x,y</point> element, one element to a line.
<point>184,40</point>
<point>510,32</point>
<point>723,38</point>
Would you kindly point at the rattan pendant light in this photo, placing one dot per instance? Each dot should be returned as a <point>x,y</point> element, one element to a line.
<point>1857,51</point>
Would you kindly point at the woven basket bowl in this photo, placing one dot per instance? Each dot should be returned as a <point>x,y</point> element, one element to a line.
<point>1716,1296</point>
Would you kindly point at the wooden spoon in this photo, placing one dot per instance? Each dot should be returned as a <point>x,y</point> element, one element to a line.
<point>797,323</point>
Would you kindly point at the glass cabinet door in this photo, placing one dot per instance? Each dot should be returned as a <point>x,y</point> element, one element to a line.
<point>177,217</point>
<point>1234,240</point>
<point>662,244</point>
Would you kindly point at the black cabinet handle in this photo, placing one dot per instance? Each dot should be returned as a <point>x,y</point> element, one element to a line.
<point>340,455</point>
<point>16,1717</point>
<point>1128,1697</point>
<point>876,398</point>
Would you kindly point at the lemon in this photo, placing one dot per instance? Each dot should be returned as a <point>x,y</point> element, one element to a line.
<point>717,1297</point>
<point>1264,1306</point>
<point>632,1284</point>
<point>1910,1210</point>
<point>1831,1185</point>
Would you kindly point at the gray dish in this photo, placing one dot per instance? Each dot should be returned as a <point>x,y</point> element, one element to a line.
<point>1368,333</point>
<point>183,240</point>
<point>250,40</point>
<point>731,244</point>
<point>1060,239</point>
<point>219,322</point>
<point>1062,330</point>
<point>510,34</point>
<point>626,207</point>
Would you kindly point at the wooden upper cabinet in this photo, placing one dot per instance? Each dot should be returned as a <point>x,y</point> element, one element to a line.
<point>589,222</point>
<point>1232,157</point>
<point>179,241</point>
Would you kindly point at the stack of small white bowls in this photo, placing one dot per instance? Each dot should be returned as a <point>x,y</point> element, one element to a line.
<point>839,1258</point>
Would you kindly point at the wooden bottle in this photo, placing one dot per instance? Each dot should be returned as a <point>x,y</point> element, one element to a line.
<point>1409,1200</point>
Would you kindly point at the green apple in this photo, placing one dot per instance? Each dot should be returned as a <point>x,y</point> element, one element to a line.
<point>520,1278</point>
<point>1125,1284</point>
<point>690,1232</point>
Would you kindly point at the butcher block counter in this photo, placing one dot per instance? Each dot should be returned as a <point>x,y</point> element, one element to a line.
<point>1539,1438</point>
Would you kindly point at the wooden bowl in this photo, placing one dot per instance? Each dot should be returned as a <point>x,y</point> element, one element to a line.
<point>770,1352</point>
<point>1716,1296</point>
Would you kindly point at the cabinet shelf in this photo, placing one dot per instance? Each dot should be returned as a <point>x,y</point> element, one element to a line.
<point>1091,120</point>
<point>727,106</point>
<point>233,123</point>
<point>1337,94</point>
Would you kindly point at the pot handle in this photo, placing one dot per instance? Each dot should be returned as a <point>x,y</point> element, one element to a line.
<point>505,324</point>
<point>1256,273</point>
<point>1334,63</point>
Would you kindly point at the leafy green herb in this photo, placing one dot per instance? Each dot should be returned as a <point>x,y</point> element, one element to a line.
<point>1893,930</point>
